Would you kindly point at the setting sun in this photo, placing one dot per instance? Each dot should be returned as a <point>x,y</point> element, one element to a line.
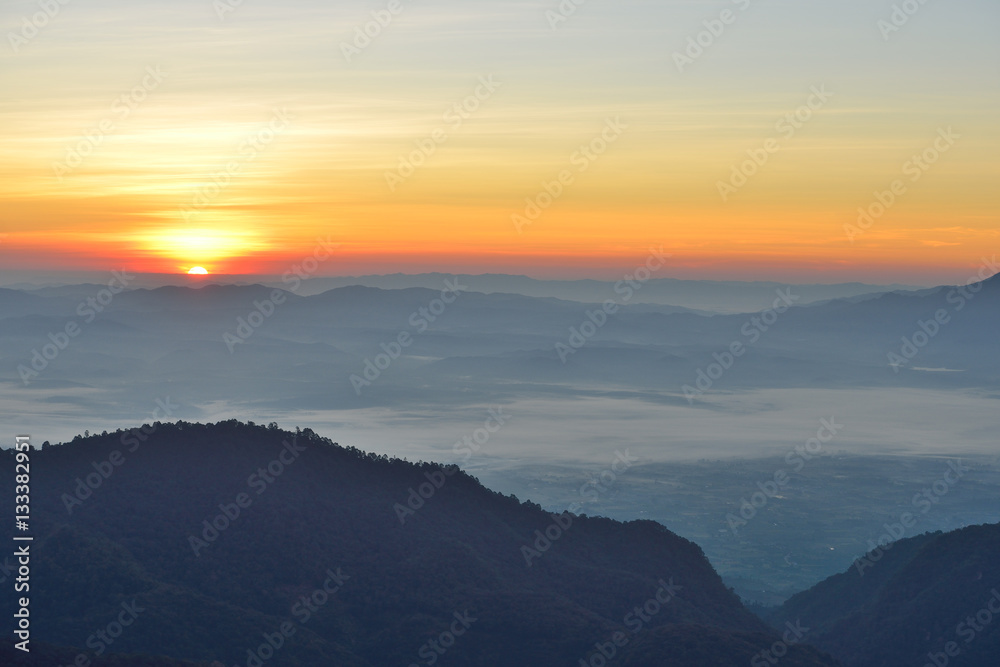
<point>197,271</point>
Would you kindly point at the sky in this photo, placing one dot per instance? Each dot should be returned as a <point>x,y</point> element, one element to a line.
<point>546,138</point>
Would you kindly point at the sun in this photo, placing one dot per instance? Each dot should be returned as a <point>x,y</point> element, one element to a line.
<point>181,246</point>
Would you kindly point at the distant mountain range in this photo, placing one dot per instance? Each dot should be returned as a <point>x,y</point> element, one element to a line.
<point>249,545</point>
<point>707,296</point>
<point>698,295</point>
<point>317,346</point>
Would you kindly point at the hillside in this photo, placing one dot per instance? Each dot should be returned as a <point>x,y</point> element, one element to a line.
<point>935,597</point>
<point>44,655</point>
<point>317,542</point>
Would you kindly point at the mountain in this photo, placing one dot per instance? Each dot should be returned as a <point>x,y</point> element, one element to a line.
<point>582,383</point>
<point>247,544</point>
<point>685,295</point>
<point>691,295</point>
<point>931,599</point>
<point>16,302</point>
<point>44,655</point>
<point>478,344</point>
<point>861,341</point>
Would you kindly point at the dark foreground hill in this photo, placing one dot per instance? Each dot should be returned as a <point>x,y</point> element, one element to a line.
<point>254,546</point>
<point>43,655</point>
<point>933,600</point>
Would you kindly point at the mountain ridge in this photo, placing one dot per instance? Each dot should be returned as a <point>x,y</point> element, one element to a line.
<point>199,539</point>
<point>933,598</point>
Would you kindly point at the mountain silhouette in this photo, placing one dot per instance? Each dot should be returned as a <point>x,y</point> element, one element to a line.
<point>931,599</point>
<point>250,545</point>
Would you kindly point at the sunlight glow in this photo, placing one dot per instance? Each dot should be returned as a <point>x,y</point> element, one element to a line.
<point>207,245</point>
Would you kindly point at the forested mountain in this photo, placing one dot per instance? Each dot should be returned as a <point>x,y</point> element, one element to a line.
<point>931,599</point>
<point>250,545</point>
<point>45,655</point>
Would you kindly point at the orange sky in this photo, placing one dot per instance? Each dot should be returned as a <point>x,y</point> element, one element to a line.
<point>241,149</point>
